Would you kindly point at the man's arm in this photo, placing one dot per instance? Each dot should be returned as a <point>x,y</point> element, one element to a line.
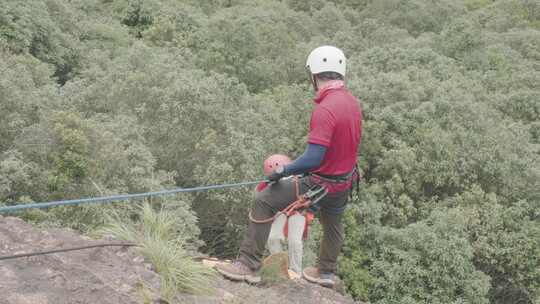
<point>319,138</point>
<point>311,159</point>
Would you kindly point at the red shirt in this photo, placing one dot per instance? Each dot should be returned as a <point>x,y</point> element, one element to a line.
<point>336,123</point>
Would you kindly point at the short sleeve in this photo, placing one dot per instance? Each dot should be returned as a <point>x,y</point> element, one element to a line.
<point>321,127</point>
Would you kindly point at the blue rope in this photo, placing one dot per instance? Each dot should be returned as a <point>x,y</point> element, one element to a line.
<point>122,197</point>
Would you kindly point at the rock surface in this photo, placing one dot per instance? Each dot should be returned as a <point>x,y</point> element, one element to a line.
<point>99,275</point>
<point>113,275</point>
<point>290,292</point>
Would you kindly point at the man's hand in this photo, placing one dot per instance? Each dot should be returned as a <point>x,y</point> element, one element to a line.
<point>277,174</point>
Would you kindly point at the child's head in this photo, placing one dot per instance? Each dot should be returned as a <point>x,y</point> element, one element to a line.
<point>274,161</point>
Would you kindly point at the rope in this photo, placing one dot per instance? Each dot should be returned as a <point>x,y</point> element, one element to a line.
<point>24,255</point>
<point>301,203</point>
<point>122,197</point>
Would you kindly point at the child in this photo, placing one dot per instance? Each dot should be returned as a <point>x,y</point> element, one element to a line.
<point>293,227</point>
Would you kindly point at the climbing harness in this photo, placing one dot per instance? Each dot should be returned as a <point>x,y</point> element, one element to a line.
<point>335,178</point>
<point>333,181</point>
<point>124,197</point>
<point>304,201</point>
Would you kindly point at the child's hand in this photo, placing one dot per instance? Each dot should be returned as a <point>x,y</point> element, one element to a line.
<point>309,217</point>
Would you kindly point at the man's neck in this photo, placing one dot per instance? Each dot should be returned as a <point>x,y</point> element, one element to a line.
<point>322,85</point>
<point>327,85</point>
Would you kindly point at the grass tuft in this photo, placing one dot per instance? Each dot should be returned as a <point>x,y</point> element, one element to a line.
<point>164,245</point>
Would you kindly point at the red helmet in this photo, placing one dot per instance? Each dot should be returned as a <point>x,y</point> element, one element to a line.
<point>274,161</point>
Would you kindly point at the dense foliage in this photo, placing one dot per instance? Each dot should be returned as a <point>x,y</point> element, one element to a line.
<point>115,96</point>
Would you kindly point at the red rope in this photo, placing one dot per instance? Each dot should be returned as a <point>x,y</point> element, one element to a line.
<point>301,202</point>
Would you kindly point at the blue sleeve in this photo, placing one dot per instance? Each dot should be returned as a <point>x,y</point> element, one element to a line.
<point>311,159</point>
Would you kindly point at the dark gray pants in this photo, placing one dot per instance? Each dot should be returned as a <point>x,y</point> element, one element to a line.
<point>275,198</point>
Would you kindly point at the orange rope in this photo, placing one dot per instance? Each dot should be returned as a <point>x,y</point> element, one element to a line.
<point>301,203</point>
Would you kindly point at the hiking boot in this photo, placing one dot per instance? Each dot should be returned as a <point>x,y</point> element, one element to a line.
<point>311,274</point>
<point>237,271</point>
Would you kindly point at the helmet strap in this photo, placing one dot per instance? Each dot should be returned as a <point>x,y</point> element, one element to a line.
<point>313,82</point>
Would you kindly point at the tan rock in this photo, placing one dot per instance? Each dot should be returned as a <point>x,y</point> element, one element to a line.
<point>27,299</point>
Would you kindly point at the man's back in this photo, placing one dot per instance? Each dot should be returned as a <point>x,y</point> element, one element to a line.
<point>336,123</point>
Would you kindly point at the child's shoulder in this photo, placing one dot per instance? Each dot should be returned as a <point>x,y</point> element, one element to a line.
<point>261,186</point>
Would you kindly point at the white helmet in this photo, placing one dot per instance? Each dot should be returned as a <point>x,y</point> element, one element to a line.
<point>326,59</point>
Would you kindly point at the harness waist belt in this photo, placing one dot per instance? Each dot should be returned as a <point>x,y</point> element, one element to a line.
<point>336,178</point>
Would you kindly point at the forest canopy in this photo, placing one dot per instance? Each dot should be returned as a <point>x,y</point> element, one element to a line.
<point>103,97</point>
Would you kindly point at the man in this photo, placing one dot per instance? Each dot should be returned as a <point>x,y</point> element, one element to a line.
<point>329,161</point>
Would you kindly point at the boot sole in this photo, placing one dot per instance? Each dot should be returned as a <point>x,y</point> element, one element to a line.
<point>230,276</point>
<point>323,283</point>
<point>326,283</point>
<point>252,279</point>
<point>240,277</point>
